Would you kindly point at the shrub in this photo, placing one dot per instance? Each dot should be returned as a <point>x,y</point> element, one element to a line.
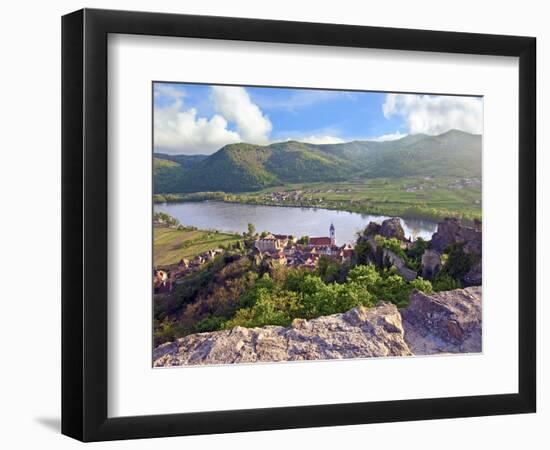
<point>458,263</point>
<point>444,282</point>
<point>210,323</point>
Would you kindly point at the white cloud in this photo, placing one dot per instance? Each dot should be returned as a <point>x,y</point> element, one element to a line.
<point>436,114</point>
<point>388,137</point>
<point>299,99</point>
<point>317,139</point>
<point>177,131</point>
<point>171,92</point>
<point>234,104</point>
<point>180,130</point>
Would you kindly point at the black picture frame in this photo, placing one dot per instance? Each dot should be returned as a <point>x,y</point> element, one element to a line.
<point>84,224</point>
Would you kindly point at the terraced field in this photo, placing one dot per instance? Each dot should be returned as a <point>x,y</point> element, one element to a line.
<point>170,244</point>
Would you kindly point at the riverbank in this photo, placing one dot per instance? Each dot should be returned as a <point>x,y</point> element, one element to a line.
<point>234,217</point>
<point>420,198</point>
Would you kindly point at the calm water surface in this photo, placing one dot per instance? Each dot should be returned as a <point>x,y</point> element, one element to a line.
<point>235,217</point>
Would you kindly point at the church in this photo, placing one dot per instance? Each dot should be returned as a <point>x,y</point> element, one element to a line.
<point>325,245</point>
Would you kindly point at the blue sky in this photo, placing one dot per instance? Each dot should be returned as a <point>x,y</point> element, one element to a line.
<point>194,118</point>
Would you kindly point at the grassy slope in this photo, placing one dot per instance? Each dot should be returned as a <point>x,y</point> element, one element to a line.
<point>170,245</point>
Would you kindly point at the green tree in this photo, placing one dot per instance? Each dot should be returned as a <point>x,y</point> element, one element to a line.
<point>458,262</point>
<point>331,270</point>
<point>251,231</point>
<point>363,252</point>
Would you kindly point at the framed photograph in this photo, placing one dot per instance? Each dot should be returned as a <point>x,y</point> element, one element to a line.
<point>273,224</point>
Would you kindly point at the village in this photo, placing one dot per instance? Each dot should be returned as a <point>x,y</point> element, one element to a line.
<point>281,249</point>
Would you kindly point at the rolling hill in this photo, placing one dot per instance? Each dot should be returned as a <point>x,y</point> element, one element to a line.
<point>246,167</point>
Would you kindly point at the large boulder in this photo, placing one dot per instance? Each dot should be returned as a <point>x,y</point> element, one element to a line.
<point>372,229</point>
<point>431,264</point>
<point>451,231</point>
<point>392,259</point>
<point>358,333</point>
<point>384,257</point>
<point>391,228</point>
<point>474,275</point>
<point>444,322</point>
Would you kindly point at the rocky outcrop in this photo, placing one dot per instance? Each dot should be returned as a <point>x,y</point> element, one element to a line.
<point>473,277</point>
<point>389,258</point>
<point>391,228</point>
<point>444,322</point>
<point>451,231</point>
<point>358,333</point>
<point>372,229</point>
<point>431,264</point>
<point>384,257</point>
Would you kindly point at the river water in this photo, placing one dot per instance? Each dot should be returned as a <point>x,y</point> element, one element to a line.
<point>235,217</point>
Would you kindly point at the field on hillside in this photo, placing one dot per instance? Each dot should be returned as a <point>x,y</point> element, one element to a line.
<point>170,244</point>
<point>421,197</point>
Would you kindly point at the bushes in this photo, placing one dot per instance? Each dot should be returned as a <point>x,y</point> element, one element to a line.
<point>160,218</point>
<point>332,271</point>
<point>458,263</point>
<point>236,292</point>
<point>308,297</point>
<point>305,295</point>
<point>417,249</point>
<point>443,282</point>
<point>210,323</point>
<point>387,285</point>
<point>392,244</point>
<point>363,252</point>
<point>276,307</point>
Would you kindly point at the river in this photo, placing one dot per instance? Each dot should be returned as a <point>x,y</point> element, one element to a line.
<point>235,217</point>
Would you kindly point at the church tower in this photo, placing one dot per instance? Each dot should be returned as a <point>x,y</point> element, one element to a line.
<point>332,235</point>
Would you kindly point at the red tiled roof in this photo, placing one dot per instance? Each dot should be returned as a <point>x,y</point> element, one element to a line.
<point>319,241</point>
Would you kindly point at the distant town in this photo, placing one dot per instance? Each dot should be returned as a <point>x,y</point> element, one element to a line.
<point>281,249</point>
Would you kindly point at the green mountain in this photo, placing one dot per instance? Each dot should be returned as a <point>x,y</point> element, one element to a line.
<point>169,171</point>
<point>246,167</point>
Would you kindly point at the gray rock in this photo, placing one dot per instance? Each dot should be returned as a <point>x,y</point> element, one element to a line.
<point>372,229</point>
<point>391,228</point>
<point>431,264</point>
<point>451,231</point>
<point>474,275</point>
<point>383,257</point>
<point>358,333</point>
<point>390,258</point>
<point>444,322</point>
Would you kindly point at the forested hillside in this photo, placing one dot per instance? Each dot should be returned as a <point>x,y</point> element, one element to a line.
<point>246,167</point>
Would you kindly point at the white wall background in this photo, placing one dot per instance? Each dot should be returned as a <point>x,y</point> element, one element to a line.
<point>30,229</point>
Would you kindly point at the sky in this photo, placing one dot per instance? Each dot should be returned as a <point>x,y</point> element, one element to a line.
<point>201,119</point>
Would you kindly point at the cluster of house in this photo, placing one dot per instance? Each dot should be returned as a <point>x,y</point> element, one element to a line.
<point>298,195</point>
<point>279,248</point>
<point>281,196</point>
<point>458,184</point>
<point>164,281</point>
<point>285,250</point>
